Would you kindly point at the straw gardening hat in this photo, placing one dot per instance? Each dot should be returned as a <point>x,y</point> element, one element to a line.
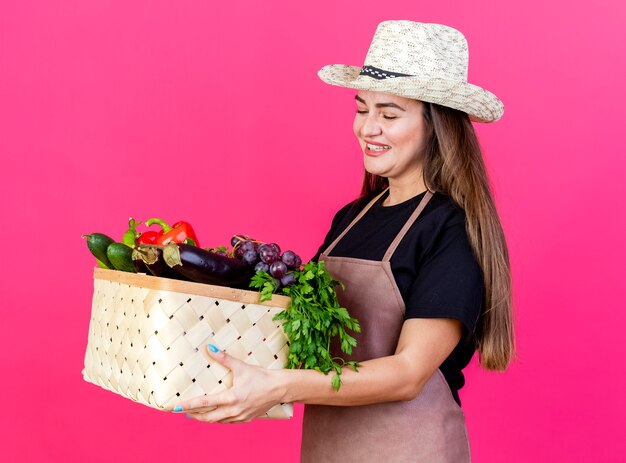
<point>426,62</point>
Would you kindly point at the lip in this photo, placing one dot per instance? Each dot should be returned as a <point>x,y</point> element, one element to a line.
<point>371,142</point>
<point>373,153</point>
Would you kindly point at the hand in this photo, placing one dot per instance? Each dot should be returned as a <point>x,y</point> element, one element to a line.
<point>254,391</point>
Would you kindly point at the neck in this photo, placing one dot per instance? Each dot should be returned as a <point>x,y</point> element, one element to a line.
<point>400,191</point>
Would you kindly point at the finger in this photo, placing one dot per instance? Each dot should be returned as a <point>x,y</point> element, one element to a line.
<point>197,415</point>
<point>193,411</point>
<point>233,414</point>
<point>218,415</point>
<point>236,420</point>
<point>204,403</point>
<point>223,358</point>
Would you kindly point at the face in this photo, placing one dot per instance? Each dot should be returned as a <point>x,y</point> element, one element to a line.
<point>391,132</point>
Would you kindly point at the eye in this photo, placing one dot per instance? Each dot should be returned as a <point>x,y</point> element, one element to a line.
<point>361,111</point>
<point>390,117</point>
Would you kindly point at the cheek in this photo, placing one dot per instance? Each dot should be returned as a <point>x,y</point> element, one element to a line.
<point>410,138</point>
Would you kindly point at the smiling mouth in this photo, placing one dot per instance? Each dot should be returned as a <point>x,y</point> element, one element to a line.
<point>377,147</point>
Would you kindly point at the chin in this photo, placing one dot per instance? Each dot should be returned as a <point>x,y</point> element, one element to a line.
<point>375,172</point>
<point>374,169</point>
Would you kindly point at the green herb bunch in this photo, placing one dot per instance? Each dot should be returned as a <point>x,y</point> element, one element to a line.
<point>313,318</point>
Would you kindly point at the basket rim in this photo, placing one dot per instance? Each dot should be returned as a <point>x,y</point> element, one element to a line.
<point>188,287</point>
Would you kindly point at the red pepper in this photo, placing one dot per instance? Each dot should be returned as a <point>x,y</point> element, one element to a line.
<point>181,232</point>
<point>151,236</point>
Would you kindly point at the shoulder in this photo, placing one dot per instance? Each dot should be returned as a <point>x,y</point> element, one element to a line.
<point>441,228</point>
<point>444,278</point>
<point>443,212</point>
<point>446,206</point>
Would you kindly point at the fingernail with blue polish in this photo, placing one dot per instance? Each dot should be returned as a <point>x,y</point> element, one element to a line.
<point>178,408</point>
<point>213,348</point>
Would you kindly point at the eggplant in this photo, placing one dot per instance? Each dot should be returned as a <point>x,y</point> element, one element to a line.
<point>140,265</point>
<point>204,266</point>
<point>151,255</point>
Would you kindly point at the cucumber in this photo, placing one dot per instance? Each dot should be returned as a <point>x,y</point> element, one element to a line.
<point>121,256</point>
<point>98,244</point>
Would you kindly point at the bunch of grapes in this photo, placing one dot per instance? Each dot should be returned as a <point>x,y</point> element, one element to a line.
<point>266,257</point>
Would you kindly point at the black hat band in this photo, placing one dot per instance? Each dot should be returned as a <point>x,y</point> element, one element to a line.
<point>380,74</point>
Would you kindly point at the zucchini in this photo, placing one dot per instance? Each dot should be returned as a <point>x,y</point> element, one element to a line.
<point>121,256</point>
<point>98,244</point>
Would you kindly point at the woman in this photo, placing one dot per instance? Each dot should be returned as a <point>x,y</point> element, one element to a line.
<point>423,258</point>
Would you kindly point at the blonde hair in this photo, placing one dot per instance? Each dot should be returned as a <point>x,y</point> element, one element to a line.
<point>453,165</point>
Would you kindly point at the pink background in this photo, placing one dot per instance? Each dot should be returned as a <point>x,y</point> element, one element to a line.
<point>212,112</point>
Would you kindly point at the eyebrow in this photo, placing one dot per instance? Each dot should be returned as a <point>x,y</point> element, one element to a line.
<point>379,105</point>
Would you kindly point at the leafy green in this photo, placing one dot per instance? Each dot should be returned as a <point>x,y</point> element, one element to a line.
<point>313,318</point>
<point>218,248</point>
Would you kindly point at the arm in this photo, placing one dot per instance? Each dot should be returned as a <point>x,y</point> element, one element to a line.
<point>423,345</point>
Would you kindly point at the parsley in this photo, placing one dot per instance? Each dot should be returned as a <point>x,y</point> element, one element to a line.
<point>312,319</point>
<point>223,249</point>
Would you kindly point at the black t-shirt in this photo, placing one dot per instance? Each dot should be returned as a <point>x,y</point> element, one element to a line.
<point>434,265</point>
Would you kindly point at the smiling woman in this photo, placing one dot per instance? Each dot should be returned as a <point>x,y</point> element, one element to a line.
<point>424,262</point>
<point>391,132</point>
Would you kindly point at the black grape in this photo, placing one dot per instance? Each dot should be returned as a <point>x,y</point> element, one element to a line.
<point>244,246</point>
<point>288,279</point>
<point>247,246</point>
<point>262,266</point>
<point>276,248</point>
<point>250,257</point>
<point>278,269</point>
<point>268,254</point>
<point>236,239</point>
<point>289,258</point>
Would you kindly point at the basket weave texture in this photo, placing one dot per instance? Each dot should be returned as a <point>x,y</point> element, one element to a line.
<point>148,337</point>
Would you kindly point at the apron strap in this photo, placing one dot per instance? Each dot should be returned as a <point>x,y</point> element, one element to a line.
<point>356,219</point>
<point>394,244</point>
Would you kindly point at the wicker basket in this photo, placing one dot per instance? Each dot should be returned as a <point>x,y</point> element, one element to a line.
<point>148,337</point>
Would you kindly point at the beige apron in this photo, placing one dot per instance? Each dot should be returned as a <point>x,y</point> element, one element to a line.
<point>431,427</point>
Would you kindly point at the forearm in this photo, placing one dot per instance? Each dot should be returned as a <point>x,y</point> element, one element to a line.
<point>385,379</point>
<point>423,345</point>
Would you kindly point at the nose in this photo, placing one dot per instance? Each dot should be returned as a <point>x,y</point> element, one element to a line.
<point>369,126</point>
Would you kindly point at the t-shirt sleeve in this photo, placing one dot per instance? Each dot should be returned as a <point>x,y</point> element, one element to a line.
<point>449,283</point>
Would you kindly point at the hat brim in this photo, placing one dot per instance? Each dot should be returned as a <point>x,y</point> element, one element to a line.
<point>480,104</point>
